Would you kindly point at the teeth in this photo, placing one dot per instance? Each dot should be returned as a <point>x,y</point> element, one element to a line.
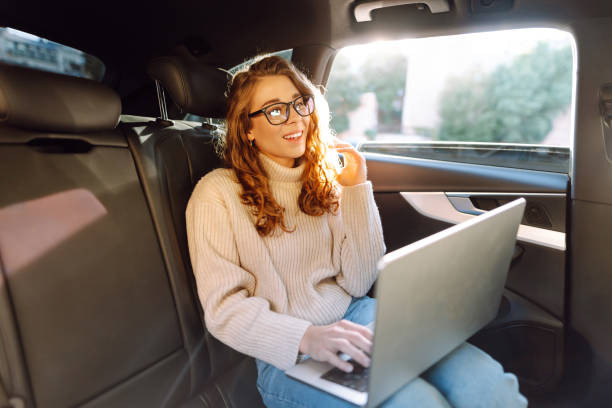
<point>293,135</point>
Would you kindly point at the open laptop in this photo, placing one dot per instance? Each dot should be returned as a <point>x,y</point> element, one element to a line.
<point>432,296</point>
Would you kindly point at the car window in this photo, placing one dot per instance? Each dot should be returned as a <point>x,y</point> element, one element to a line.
<point>23,49</point>
<point>286,54</point>
<point>499,98</point>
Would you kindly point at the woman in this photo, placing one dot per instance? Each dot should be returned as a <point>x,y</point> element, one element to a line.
<point>284,245</point>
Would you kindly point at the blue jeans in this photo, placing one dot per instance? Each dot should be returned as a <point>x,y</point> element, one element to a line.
<point>466,377</point>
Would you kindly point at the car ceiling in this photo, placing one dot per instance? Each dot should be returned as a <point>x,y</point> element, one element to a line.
<point>124,32</point>
<point>128,33</point>
<point>125,35</point>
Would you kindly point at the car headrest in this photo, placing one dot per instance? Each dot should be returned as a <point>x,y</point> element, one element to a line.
<point>195,87</point>
<point>44,101</point>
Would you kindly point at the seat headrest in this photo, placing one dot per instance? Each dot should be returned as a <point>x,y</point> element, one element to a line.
<point>44,101</point>
<point>195,87</point>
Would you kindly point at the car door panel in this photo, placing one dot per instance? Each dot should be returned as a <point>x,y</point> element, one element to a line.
<point>458,207</point>
<point>394,174</point>
<point>417,198</point>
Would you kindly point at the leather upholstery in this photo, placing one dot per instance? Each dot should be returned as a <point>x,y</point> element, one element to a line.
<point>98,300</point>
<point>13,375</point>
<point>88,285</point>
<point>172,160</point>
<point>44,101</point>
<point>196,88</point>
<point>182,155</point>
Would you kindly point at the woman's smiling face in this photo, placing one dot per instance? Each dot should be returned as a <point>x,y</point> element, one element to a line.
<point>285,142</point>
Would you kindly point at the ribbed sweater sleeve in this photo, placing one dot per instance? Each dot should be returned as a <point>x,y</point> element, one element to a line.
<point>362,243</point>
<point>232,314</point>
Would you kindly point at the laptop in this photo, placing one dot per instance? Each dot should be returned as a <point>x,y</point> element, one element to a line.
<point>432,296</point>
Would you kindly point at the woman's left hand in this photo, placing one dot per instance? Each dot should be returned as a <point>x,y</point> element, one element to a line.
<point>354,171</point>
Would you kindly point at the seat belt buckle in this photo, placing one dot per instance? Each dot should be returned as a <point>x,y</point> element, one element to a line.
<point>16,402</point>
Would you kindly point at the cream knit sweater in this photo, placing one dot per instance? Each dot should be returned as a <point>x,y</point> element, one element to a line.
<point>259,295</point>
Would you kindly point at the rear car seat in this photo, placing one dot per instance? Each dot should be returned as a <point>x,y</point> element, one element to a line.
<point>171,159</point>
<point>94,311</point>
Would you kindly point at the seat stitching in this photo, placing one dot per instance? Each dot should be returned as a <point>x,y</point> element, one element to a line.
<point>4,341</point>
<point>189,163</point>
<point>227,404</point>
<point>184,88</point>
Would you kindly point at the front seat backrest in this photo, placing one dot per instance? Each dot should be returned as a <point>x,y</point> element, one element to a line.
<point>93,320</point>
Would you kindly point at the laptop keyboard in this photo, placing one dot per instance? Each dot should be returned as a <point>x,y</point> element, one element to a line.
<point>356,379</point>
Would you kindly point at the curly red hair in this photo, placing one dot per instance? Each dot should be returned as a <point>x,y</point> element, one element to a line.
<point>319,192</point>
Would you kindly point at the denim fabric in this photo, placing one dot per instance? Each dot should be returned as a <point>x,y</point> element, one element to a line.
<point>466,378</point>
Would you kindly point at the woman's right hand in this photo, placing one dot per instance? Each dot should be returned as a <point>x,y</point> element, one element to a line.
<point>323,343</point>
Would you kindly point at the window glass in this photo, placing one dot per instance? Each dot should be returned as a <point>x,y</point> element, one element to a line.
<point>19,48</point>
<point>498,98</point>
<point>286,54</point>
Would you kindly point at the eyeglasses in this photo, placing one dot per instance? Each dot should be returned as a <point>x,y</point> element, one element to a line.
<point>278,113</point>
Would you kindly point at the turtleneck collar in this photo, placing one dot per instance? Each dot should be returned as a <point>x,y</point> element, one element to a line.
<point>277,172</point>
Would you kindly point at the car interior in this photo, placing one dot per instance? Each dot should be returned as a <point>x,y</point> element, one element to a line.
<point>98,301</point>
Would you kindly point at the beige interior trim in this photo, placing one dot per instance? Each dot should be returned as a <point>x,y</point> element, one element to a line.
<point>436,205</point>
<point>363,11</point>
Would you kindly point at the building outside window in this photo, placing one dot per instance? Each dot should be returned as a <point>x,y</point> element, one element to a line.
<point>23,49</point>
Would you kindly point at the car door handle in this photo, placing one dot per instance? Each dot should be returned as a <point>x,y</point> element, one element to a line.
<point>464,205</point>
<point>517,254</point>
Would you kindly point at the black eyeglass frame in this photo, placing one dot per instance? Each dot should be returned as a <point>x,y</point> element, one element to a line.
<point>288,105</point>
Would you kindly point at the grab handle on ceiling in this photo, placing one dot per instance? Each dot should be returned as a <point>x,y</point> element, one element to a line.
<point>363,11</point>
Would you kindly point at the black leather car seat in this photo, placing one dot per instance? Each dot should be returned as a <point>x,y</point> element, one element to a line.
<point>171,160</point>
<point>94,311</point>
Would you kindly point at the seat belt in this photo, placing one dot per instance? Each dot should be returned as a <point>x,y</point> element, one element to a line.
<point>3,397</point>
<point>6,402</point>
<point>12,402</point>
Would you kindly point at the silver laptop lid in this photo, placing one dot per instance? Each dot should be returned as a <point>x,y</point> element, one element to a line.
<point>445,288</point>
